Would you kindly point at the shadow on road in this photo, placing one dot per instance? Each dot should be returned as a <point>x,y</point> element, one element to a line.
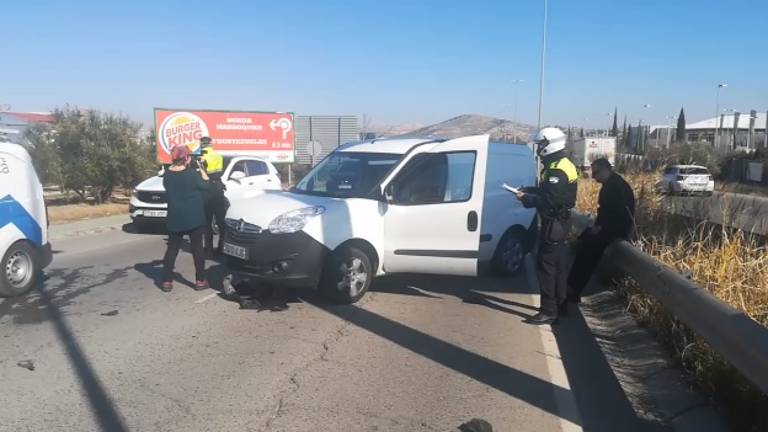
<point>62,287</point>
<point>513,382</point>
<point>469,290</point>
<point>101,404</point>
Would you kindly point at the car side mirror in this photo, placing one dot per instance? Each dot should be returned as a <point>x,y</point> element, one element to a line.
<point>237,176</point>
<point>389,193</point>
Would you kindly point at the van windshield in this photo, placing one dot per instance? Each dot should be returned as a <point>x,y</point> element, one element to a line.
<point>347,174</point>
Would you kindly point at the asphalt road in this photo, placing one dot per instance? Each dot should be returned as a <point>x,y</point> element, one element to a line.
<point>109,351</point>
<point>745,212</point>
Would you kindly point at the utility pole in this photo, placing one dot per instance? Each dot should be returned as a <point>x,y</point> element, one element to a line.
<point>514,111</point>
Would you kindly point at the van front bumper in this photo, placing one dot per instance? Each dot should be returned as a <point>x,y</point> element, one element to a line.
<point>293,260</point>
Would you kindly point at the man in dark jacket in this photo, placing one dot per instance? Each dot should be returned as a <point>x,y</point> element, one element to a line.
<point>615,220</point>
<point>553,200</point>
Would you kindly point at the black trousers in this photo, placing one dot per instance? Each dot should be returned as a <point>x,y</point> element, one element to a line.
<point>551,264</point>
<point>174,244</point>
<point>215,212</point>
<point>589,251</point>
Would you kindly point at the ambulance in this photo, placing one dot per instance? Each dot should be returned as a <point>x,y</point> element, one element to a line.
<point>24,246</point>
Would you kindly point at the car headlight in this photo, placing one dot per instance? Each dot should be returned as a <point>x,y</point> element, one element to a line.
<point>295,220</point>
<point>135,194</point>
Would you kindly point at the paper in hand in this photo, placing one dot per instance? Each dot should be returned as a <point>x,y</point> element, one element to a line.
<point>511,189</point>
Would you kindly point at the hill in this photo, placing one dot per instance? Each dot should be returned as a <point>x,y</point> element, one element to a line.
<point>470,124</point>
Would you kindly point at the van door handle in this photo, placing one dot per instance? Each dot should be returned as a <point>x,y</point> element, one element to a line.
<point>472,221</point>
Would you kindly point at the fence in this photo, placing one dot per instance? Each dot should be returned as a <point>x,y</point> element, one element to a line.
<point>740,340</point>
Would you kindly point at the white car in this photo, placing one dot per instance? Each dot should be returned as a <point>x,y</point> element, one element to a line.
<point>687,179</point>
<point>24,247</point>
<point>148,203</point>
<point>387,206</point>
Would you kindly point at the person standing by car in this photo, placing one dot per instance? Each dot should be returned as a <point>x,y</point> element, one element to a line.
<point>553,200</point>
<point>615,220</point>
<point>215,201</point>
<point>185,188</point>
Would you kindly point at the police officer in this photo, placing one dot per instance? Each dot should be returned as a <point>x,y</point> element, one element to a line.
<point>553,199</point>
<point>216,202</point>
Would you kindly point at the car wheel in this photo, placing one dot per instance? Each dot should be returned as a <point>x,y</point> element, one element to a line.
<point>510,254</point>
<point>19,270</point>
<point>348,275</point>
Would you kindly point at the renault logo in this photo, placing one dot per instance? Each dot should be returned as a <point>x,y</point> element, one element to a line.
<point>240,225</point>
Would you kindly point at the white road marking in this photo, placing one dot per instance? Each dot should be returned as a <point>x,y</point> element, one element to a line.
<point>566,402</point>
<point>206,298</point>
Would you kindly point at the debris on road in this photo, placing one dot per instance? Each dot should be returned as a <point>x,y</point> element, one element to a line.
<point>27,364</point>
<point>111,313</point>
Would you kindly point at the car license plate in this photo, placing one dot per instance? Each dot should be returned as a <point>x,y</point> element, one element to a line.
<point>156,213</point>
<point>235,251</point>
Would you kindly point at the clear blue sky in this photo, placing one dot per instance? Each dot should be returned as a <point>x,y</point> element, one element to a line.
<point>398,61</point>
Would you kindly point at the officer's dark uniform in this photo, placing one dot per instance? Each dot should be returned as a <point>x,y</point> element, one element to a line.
<point>553,199</point>
<point>215,203</point>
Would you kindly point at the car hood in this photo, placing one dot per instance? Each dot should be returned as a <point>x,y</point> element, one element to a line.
<point>152,184</point>
<point>262,207</point>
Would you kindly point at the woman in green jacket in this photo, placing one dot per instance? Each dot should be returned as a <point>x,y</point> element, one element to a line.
<point>184,188</point>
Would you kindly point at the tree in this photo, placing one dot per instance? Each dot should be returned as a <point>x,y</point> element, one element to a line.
<point>45,155</point>
<point>628,138</point>
<point>680,134</point>
<point>615,129</point>
<point>100,152</point>
<point>624,134</point>
<point>581,133</point>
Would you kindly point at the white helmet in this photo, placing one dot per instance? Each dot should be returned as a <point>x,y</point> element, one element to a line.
<point>549,141</point>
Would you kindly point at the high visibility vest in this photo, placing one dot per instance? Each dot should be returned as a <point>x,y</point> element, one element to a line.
<point>565,165</point>
<point>214,162</point>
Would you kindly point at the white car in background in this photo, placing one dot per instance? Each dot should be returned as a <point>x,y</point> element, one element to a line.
<point>687,179</point>
<point>241,174</point>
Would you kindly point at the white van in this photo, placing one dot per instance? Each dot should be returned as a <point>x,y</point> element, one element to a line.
<point>387,206</point>
<point>23,222</point>
<point>148,203</point>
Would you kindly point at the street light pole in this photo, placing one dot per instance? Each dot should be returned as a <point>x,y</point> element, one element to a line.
<point>543,56</point>
<point>514,112</point>
<point>717,113</point>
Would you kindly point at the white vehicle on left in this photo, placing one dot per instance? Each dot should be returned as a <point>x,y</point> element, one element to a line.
<point>241,174</point>
<point>24,246</point>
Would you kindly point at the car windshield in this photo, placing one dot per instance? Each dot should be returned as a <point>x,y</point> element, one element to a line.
<point>347,174</point>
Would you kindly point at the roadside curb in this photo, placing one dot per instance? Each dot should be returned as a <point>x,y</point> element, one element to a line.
<point>87,227</point>
<point>655,385</point>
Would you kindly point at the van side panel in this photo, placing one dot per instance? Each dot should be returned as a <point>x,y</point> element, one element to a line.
<point>22,209</point>
<point>515,166</point>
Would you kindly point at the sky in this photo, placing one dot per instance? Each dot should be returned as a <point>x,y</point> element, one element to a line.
<point>396,61</point>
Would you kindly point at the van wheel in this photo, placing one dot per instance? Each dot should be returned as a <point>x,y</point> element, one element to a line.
<point>19,270</point>
<point>348,275</point>
<point>510,254</point>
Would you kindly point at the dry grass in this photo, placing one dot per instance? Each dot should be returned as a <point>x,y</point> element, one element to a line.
<point>75,212</point>
<point>731,264</point>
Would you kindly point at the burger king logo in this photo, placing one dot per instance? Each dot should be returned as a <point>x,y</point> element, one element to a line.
<point>182,128</point>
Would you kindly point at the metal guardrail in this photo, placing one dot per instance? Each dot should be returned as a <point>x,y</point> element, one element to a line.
<point>739,339</point>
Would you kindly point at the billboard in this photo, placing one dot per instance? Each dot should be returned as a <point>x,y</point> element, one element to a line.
<point>269,135</point>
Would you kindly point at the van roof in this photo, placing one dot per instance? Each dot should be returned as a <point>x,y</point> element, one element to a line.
<point>403,145</point>
<point>386,145</point>
<point>15,150</point>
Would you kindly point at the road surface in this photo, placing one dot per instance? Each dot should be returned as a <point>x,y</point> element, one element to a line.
<point>99,347</point>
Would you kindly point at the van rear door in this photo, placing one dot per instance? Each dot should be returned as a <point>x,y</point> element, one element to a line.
<point>434,208</point>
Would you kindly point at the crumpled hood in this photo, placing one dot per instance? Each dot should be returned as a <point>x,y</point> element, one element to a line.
<point>262,207</point>
<point>152,184</point>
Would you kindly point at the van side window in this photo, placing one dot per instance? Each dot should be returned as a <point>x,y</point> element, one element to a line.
<point>435,179</point>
